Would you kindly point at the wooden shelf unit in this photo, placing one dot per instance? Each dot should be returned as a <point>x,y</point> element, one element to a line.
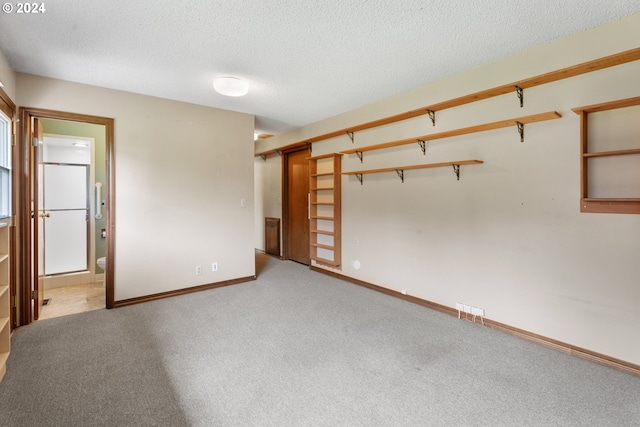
<point>603,204</point>
<point>5,327</point>
<point>400,169</point>
<point>325,208</point>
<point>518,122</point>
<point>514,87</point>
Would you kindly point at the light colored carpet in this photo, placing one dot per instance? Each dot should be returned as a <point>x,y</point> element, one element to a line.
<point>298,348</point>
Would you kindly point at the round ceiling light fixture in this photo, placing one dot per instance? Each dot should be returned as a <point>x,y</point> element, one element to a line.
<point>231,86</point>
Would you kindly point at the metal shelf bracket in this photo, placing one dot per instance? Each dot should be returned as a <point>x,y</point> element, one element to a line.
<point>264,157</point>
<point>423,146</point>
<point>400,173</point>
<point>359,176</point>
<point>432,116</point>
<point>456,170</point>
<point>360,155</point>
<point>521,130</point>
<point>520,93</point>
<point>350,135</point>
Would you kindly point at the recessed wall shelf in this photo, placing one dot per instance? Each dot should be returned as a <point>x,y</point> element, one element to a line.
<point>400,169</point>
<point>325,182</point>
<point>519,122</point>
<point>517,87</point>
<point>629,205</point>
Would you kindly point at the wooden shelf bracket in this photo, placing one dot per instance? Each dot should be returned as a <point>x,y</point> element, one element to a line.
<point>350,135</point>
<point>423,146</point>
<point>432,116</point>
<point>520,93</point>
<point>521,130</point>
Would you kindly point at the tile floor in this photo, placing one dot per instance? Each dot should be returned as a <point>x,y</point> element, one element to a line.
<point>73,299</point>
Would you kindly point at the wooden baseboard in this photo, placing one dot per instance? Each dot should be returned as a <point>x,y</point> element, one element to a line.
<point>530,336</point>
<point>169,294</point>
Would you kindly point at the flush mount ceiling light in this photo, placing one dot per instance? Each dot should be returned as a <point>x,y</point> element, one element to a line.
<point>231,86</point>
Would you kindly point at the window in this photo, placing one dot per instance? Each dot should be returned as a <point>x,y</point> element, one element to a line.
<point>610,157</point>
<point>5,166</point>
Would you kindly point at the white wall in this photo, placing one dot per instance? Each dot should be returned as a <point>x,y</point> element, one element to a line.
<point>509,236</point>
<point>181,170</point>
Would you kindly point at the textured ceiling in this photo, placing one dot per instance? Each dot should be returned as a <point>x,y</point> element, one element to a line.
<point>306,60</point>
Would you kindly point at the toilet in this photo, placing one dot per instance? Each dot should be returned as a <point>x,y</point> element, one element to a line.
<point>102,263</point>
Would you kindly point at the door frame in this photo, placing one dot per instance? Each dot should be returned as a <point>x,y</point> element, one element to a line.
<point>26,159</point>
<point>285,196</point>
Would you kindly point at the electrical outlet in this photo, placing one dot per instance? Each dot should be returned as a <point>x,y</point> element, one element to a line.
<point>477,311</point>
<point>214,266</point>
<point>198,270</point>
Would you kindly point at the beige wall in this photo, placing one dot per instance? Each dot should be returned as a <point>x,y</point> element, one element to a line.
<point>508,237</point>
<point>7,77</point>
<point>181,170</point>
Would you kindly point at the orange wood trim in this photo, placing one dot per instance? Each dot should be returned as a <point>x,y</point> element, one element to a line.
<point>323,156</point>
<point>612,105</point>
<point>424,166</point>
<point>614,205</point>
<point>169,294</point>
<point>612,153</point>
<point>563,73</point>
<point>584,132</point>
<point>7,105</point>
<point>530,336</point>
<point>462,131</point>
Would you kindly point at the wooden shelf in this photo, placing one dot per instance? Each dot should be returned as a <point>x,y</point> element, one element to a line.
<point>321,188</point>
<point>326,262</point>
<point>319,245</point>
<point>3,257</point>
<point>400,169</point>
<point>613,205</point>
<point>457,132</point>
<point>322,174</point>
<point>611,200</point>
<point>328,233</point>
<point>612,153</point>
<point>553,76</point>
<point>325,218</point>
<point>3,289</point>
<point>322,203</point>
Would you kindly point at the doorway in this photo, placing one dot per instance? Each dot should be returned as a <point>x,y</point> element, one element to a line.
<point>65,151</point>
<point>70,205</point>
<point>296,206</point>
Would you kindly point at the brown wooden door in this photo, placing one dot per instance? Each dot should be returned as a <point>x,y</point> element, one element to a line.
<point>296,186</point>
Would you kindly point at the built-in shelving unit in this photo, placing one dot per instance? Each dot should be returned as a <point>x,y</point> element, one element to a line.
<point>5,327</point>
<point>400,169</point>
<point>421,140</point>
<point>325,209</point>
<point>629,205</point>
<point>515,87</point>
